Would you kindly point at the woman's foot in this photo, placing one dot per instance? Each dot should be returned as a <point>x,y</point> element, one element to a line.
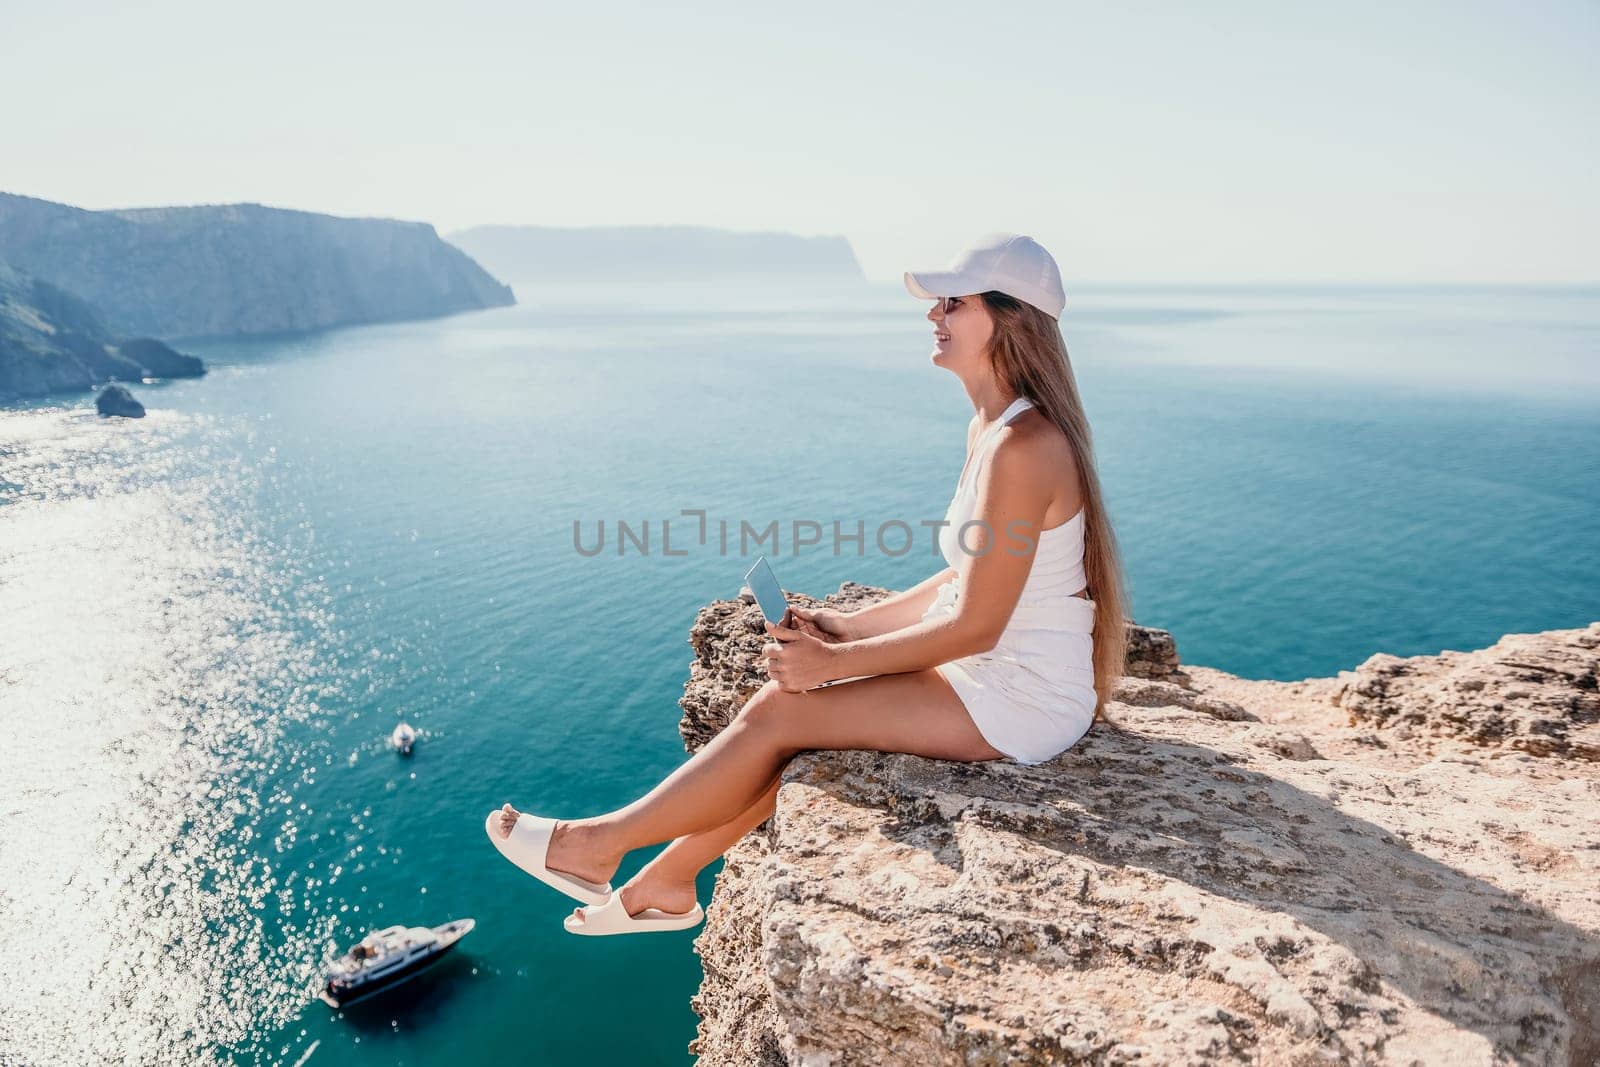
<point>648,889</point>
<point>574,848</point>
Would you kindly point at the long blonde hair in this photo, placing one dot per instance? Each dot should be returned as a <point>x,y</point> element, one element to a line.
<point>1029,357</point>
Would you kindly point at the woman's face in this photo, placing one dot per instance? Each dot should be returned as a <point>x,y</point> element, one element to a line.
<point>961,330</point>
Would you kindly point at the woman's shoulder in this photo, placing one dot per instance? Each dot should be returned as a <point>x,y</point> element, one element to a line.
<point>1032,452</point>
<point>1034,440</point>
<point>1026,454</point>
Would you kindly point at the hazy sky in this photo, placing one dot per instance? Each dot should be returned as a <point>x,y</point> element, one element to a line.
<point>1417,141</point>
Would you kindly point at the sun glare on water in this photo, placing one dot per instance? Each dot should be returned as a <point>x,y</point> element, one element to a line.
<point>154,648</point>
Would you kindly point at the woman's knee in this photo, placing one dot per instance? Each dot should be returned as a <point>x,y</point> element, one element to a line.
<point>768,709</point>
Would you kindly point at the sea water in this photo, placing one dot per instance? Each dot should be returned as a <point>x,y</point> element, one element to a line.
<point>211,618</point>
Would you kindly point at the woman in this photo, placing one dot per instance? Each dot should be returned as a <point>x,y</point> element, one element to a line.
<point>1011,652</point>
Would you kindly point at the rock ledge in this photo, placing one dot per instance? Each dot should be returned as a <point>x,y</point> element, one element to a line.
<point>1390,866</point>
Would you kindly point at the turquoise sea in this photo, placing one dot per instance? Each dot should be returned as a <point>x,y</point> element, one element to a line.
<point>210,619</point>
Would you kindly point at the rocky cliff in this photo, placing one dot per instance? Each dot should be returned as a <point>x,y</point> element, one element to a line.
<point>51,341</point>
<point>1397,865</point>
<point>240,268</point>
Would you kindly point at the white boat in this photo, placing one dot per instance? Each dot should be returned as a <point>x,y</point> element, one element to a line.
<point>385,958</point>
<point>403,738</point>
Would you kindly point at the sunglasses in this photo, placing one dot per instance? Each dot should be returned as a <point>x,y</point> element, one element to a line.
<point>947,304</point>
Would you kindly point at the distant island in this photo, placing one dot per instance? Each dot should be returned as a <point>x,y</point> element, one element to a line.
<point>207,271</point>
<point>655,253</point>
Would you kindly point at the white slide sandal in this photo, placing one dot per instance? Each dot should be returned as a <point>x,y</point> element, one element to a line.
<point>526,847</point>
<point>612,918</point>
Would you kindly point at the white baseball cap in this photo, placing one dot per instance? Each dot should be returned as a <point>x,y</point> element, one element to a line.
<point>1005,262</point>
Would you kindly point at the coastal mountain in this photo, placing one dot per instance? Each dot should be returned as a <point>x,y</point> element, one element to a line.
<point>655,253</point>
<point>1396,865</point>
<point>240,268</point>
<point>52,341</point>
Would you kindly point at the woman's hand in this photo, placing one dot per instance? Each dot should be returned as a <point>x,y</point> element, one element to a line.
<point>796,660</point>
<point>825,624</point>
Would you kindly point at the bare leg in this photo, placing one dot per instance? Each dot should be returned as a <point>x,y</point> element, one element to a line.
<point>710,789</point>
<point>915,712</point>
<point>667,882</point>
<point>687,856</point>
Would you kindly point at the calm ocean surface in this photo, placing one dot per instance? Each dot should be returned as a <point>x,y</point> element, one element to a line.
<point>210,619</point>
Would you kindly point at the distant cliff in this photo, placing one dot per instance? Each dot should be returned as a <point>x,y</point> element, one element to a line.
<point>1396,865</point>
<point>51,341</point>
<point>240,268</point>
<point>655,253</point>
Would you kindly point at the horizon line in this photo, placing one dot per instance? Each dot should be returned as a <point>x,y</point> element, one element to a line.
<point>1190,282</point>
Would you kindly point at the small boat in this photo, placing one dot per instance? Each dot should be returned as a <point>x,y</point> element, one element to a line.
<point>403,738</point>
<point>385,958</point>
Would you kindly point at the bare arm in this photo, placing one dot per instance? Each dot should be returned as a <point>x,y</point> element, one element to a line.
<point>896,612</point>
<point>1013,495</point>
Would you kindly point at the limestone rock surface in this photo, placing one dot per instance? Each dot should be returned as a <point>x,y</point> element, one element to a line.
<point>1395,866</point>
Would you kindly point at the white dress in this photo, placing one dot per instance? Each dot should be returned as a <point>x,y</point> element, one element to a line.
<point>1031,696</point>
